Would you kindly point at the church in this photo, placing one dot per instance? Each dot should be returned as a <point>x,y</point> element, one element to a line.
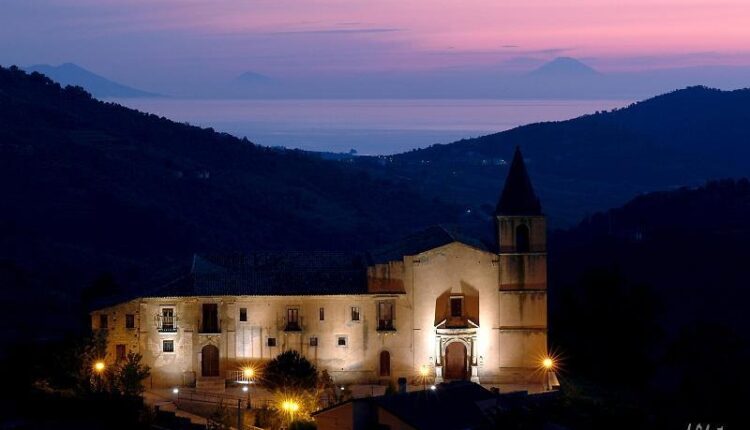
<point>436,306</point>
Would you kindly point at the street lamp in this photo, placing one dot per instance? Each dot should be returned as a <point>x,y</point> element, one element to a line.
<point>424,372</point>
<point>99,366</point>
<point>548,363</point>
<point>248,373</point>
<point>290,407</point>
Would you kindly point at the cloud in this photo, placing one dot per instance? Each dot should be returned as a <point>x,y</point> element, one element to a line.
<point>339,31</point>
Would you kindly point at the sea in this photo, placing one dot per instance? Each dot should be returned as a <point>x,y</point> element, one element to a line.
<point>369,127</point>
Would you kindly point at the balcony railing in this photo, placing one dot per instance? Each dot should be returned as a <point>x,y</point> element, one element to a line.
<point>292,326</point>
<point>166,324</point>
<point>210,327</point>
<point>386,325</point>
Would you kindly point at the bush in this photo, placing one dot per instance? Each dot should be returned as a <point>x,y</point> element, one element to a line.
<point>290,370</point>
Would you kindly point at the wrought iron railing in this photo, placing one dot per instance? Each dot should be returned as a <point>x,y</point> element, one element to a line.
<point>166,323</point>
<point>386,325</point>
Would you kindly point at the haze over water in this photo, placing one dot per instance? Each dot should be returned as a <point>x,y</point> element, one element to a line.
<point>372,127</point>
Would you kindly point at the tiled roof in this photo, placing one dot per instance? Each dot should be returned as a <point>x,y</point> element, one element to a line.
<point>425,240</point>
<point>298,273</point>
<point>270,273</point>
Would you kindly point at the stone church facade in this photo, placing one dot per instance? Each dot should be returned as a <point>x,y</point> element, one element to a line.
<point>436,303</point>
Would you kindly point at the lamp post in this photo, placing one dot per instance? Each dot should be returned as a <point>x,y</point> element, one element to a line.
<point>99,367</point>
<point>423,372</point>
<point>548,364</point>
<point>290,407</point>
<point>248,373</point>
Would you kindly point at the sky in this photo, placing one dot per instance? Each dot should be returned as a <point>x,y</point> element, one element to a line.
<point>149,43</point>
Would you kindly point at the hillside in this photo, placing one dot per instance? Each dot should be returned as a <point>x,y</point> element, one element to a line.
<point>99,86</point>
<point>658,289</point>
<point>594,162</point>
<point>92,188</point>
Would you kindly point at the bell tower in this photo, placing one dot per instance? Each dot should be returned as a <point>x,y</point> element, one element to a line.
<point>522,288</point>
<point>521,226</point>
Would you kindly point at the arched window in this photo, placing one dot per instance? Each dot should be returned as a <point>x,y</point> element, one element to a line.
<point>522,238</point>
<point>385,363</point>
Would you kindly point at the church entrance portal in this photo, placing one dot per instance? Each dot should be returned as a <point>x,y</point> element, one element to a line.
<point>455,361</point>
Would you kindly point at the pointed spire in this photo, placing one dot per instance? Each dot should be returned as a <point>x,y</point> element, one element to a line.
<point>518,197</point>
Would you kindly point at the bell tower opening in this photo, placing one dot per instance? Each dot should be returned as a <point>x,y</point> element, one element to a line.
<point>522,238</point>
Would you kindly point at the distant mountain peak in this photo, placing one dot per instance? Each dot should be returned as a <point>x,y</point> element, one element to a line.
<point>564,67</point>
<point>254,78</point>
<point>97,85</point>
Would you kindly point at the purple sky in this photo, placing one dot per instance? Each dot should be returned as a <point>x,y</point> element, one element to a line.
<point>147,43</point>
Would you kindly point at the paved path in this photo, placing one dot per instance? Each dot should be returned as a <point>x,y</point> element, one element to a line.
<point>164,399</point>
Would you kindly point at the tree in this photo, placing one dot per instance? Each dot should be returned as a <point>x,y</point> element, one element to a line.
<point>130,375</point>
<point>290,370</point>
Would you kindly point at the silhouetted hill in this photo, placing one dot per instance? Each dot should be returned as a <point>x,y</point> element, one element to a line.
<point>649,301</point>
<point>690,244</point>
<point>91,188</point>
<point>594,162</point>
<point>99,86</point>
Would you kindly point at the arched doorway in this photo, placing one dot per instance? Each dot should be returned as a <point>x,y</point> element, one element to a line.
<point>385,363</point>
<point>455,361</point>
<point>210,361</point>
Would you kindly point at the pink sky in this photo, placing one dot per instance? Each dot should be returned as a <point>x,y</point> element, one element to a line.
<point>329,36</point>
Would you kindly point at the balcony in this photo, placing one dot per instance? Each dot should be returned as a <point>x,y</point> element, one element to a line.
<point>292,323</point>
<point>292,326</point>
<point>386,325</point>
<point>166,324</point>
<point>210,327</point>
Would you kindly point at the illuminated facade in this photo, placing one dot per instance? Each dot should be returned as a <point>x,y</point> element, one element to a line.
<point>435,305</point>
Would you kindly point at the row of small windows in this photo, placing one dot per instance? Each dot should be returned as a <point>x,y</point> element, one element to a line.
<point>166,319</point>
<point>167,345</point>
<point>129,321</point>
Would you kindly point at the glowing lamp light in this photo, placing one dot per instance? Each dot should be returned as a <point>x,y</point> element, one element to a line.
<point>175,390</point>
<point>99,366</point>
<point>548,363</point>
<point>433,388</point>
<point>244,389</point>
<point>248,372</point>
<point>342,388</point>
<point>423,371</point>
<point>290,406</point>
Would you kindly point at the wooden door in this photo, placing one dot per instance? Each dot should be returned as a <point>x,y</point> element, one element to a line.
<point>210,361</point>
<point>385,363</point>
<point>455,361</point>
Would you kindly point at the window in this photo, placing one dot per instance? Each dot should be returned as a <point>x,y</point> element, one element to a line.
<point>522,238</point>
<point>167,346</point>
<point>322,314</point>
<point>167,320</point>
<point>355,313</point>
<point>271,341</point>
<point>313,341</point>
<point>243,314</point>
<point>210,318</point>
<point>292,319</point>
<point>385,315</point>
<point>120,352</point>
<point>103,321</point>
<point>129,321</point>
<point>456,310</point>
<point>341,341</point>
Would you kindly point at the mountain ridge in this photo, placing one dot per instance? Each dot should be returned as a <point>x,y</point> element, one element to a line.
<point>97,85</point>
